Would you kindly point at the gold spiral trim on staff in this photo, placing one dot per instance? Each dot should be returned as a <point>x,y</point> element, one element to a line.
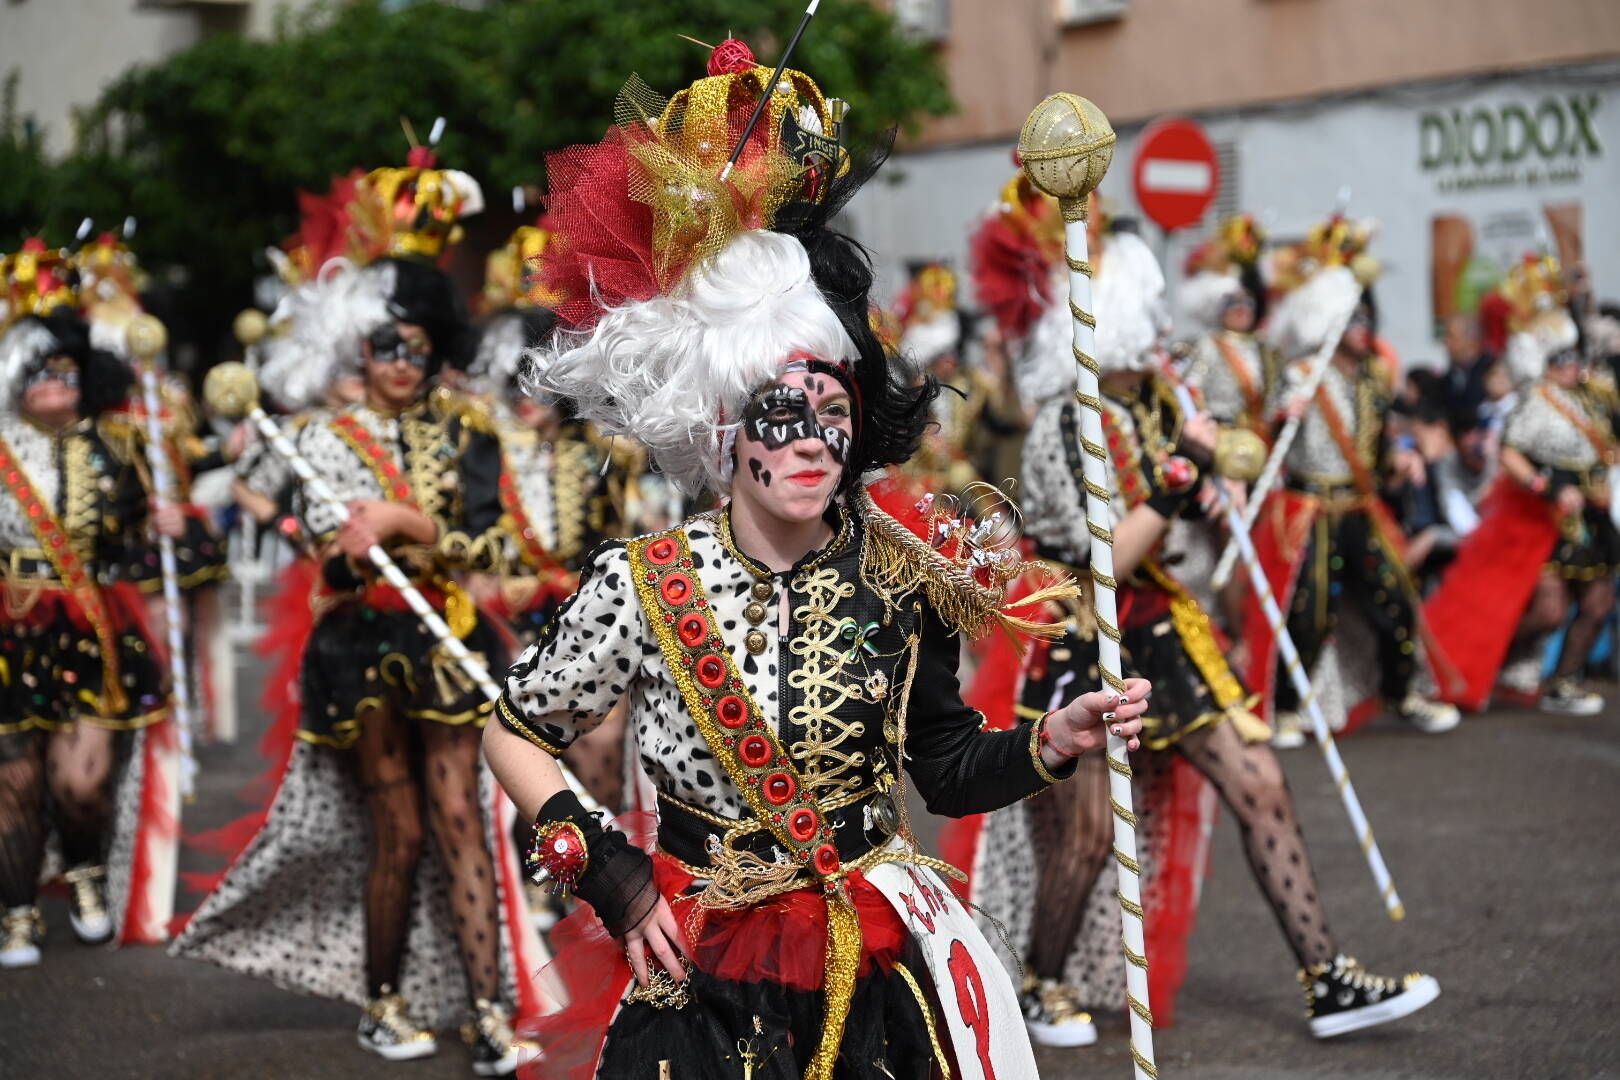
<point>1136,958</point>
<point>1105,535</point>
<point>1130,864</point>
<point>1095,489</point>
<point>1103,579</point>
<point>1138,1008</point>
<point>1087,361</point>
<point>1114,680</point>
<point>1143,1063</point>
<point>1130,905</point>
<point>1079,266</point>
<point>1090,402</point>
<point>1085,317</point>
<point>1120,766</point>
<point>1109,630</point>
<point>1124,814</point>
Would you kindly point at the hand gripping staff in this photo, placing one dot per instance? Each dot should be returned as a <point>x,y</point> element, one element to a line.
<point>1302,687</point>
<point>146,338</point>
<point>1066,147</point>
<point>232,391</point>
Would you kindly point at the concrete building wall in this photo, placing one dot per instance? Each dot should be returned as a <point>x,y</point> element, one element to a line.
<point>65,51</point>
<point>1194,56</point>
<point>1538,158</point>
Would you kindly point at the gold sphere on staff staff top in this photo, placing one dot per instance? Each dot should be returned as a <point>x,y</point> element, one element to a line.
<point>250,326</point>
<point>1066,146</point>
<point>231,390</point>
<point>146,337</point>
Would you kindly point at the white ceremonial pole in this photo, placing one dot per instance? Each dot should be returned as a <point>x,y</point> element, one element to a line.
<point>250,327</point>
<point>1302,687</point>
<point>1279,450</point>
<point>232,391</point>
<point>1066,146</point>
<point>146,338</point>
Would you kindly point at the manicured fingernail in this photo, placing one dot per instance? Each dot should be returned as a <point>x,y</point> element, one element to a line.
<point>1107,716</point>
<point>1116,731</point>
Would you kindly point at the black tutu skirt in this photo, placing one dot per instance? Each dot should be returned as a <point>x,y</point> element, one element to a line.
<point>1593,554</point>
<point>372,651</point>
<point>51,672</point>
<point>200,557</point>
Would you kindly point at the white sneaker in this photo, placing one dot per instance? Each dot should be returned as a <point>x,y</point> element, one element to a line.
<point>1565,697</point>
<point>1053,1015</point>
<point>386,1029</point>
<point>1429,717</point>
<point>496,1051</point>
<point>1289,733</point>
<point>87,904</point>
<point>21,931</point>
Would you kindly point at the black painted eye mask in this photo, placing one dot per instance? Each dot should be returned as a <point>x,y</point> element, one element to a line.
<point>44,370</point>
<point>783,415</point>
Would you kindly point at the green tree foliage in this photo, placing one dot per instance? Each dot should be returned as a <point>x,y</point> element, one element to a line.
<point>209,148</point>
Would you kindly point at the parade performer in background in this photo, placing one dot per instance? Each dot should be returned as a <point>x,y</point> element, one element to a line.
<point>111,284</point>
<point>1547,542</point>
<point>1198,729</point>
<point>87,752</point>
<point>388,728</point>
<point>1328,542</point>
<point>780,652</point>
<point>973,406</point>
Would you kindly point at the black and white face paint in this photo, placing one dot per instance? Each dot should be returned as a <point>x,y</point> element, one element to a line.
<point>783,415</point>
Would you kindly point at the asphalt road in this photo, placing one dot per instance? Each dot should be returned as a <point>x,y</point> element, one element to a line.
<point>1501,837</point>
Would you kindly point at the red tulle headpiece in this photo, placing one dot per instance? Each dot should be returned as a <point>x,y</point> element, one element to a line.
<point>1011,257</point>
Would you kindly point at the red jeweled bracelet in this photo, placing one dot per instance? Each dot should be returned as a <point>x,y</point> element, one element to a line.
<point>558,852</point>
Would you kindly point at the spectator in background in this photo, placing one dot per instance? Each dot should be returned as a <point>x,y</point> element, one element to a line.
<point>1464,376</point>
<point>1428,488</point>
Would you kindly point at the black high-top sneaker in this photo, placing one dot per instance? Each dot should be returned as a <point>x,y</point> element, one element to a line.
<point>1053,1015</point>
<point>1341,997</point>
<point>496,1051</point>
<point>87,904</point>
<point>387,1030</point>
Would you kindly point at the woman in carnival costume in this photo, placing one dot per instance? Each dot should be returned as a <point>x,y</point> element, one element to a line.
<point>1056,845</point>
<point>87,752</point>
<point>1547,542</point>
<point>780,652</point>
<point>1330,546</point>
<point>388,732</point>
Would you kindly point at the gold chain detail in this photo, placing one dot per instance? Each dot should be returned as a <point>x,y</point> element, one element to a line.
<point>928,1018</point>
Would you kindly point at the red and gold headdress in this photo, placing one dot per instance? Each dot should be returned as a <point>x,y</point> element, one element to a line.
<point>1012,256</point>
<point>38,280</point>
<point>636,211</point>
<point>512,272</point>
<point>1534,284</point>
<point>416,210</point>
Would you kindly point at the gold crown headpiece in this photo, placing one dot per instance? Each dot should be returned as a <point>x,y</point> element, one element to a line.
<point>1534,284</point>
<point>933,290</point>
<point>512,271</point>
<point>38,280</point>
<point>415,209</point>
<point>1337,241</point>
<point>681,148</point>
<point>1032,214</point>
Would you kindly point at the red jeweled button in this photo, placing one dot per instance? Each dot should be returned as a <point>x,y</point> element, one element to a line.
<point>711,671</point>
<point>693,630</point>
<point>677,589</point>
<point>779,788</point>
<point>755,751</point>
<point>826,860</point>
<point>732,712</point>
<point>802,824</point>
<point>661,552</point>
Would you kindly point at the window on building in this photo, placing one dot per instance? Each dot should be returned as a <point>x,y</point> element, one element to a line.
<point>1080,12</point>
<point>924,20</point>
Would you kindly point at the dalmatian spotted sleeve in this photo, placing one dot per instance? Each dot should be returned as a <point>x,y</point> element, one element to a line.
<point>585,660</point>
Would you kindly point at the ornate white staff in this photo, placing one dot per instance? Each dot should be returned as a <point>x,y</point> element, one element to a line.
<point>249,327</point>
<point>232,391</point>
<point>146,338</point>
<point>1066,147</point>
<point>1302,688</point>
<point>1279,450</point>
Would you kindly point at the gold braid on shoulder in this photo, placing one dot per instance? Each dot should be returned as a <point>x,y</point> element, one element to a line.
<point>963,569</point>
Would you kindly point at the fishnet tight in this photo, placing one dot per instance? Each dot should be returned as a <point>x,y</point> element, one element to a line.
<point>1071,829</point>
<point>399,763</point>
<point>74,767</point>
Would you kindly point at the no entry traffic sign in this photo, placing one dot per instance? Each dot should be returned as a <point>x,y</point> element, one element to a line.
<point>1176,173</point>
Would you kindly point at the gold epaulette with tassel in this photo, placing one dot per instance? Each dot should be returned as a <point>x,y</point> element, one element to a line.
<point>963,570</point>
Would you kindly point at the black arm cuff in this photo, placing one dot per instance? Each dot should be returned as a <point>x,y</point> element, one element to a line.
<point>618,879</point>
